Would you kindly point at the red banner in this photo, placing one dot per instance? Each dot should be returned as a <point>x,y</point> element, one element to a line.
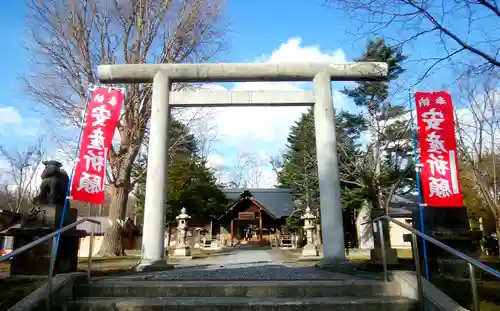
<point>438,150</point>
<point>102,115</point>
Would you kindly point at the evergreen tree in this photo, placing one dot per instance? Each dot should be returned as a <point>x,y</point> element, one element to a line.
<point>386,166</point>
<point>373,172</point>
<point>297,167</point>
<point>190,183</point>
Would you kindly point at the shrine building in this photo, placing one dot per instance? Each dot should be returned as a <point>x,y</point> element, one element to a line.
<point>253,216</point>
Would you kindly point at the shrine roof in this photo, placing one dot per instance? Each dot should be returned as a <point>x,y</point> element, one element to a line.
<point>277,201</point>
<point>9,213</point>
<point>402,206</point>
<point>98,230</point>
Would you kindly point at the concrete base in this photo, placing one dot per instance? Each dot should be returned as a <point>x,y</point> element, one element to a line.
<point>343,266</point>
<point>210,248</point>
<point>309,258</point>
<point>181,252</point>
<point>158,265</point>
<point>196,252</point>
<point>310,250</point>
<point>391,256</point>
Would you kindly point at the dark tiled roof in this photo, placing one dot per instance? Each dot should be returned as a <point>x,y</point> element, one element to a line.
<point>403,205</point>
<point>98,230</point>
<point>278,201</point>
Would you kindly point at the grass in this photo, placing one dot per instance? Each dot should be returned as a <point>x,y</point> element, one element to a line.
<point>13,290</point>
<point>459,290</point>
<point>404,254</point>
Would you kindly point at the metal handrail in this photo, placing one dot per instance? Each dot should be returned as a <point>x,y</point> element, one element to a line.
<point>46,238</point>
<point>473,263</point>
<point>54,236</point>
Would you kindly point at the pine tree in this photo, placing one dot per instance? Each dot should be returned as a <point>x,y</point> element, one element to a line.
<point>386,165</point>
<point>297,168</point>
<point>373,172</point>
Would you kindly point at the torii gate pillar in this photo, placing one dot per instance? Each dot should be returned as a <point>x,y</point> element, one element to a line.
<point>162,75</point>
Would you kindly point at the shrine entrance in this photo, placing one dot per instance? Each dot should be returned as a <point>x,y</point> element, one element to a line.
<point>248,221</point>
<point>163,75</point>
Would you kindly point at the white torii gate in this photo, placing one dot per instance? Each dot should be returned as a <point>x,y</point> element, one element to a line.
<point>163,75</point>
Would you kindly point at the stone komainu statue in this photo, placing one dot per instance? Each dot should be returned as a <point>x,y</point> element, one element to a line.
<point>54,184</point>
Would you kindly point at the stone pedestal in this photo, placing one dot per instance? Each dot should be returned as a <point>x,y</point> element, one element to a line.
<point>197,242</point>
<point>47,216</point>
<point>197,238</point>
<point>36,261</point>
<point>391,255</point>
<point>181,252</point>
<point>40,221</point>
<point>181,248</point>
<point>8,219</point>
<point>310,250</point>
<point>451,227</point>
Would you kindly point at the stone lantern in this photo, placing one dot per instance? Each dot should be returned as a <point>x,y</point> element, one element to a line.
<point>182,248</point>
<point>311,248</point>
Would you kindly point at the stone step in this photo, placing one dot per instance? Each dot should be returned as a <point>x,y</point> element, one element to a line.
<point>244,304</point>
<point>149,288</point>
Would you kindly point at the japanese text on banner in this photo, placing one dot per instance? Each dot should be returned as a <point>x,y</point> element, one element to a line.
<point>438,150</point>
<point>103,112</point>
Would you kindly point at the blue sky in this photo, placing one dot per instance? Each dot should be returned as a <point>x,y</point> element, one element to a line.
<point>258,30</point>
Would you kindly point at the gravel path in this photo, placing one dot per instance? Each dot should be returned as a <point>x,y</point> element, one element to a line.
<point>244,265</point>
<point>246,257</point>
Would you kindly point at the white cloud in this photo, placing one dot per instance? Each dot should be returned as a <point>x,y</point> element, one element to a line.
<point>273,123</point>
<point>292,51</point>
<point>248,127</point>
<point>268,179</point>
<point>13,124</point>
<point>9,115</point>
<point>215,161</point>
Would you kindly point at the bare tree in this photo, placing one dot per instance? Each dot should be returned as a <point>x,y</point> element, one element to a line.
<point>205,131</point>
<point>465,28</point>
<point>6,195</point>
<point>68,39</point>
<point>246,172</point>
<point>255,176</point>
<point>20,173</point>
<point>478,126</point>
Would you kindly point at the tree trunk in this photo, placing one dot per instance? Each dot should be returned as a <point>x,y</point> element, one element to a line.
<point>112,244</point>
<point>498,230</point>
<point>169,235</point>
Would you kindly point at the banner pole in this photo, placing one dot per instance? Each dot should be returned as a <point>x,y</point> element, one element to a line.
<point>419,188</point>
<point>68,189</point>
